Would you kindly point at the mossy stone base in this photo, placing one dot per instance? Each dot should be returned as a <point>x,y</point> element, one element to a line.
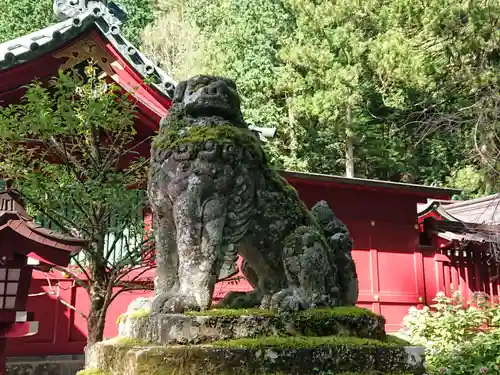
<point>194,328</point>
<point>118,357</point>
<point>345,340</point>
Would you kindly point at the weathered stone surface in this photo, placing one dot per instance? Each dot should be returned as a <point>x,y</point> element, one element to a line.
<point>340,240</point>
<point>117,358</point>
<point>164,329</point>
<point>140,303</point>
<point>54,365</point>
<point>214,196</point>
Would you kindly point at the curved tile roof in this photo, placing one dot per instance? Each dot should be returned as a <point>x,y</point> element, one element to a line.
<point>20,233</point>
<point>484,210</point>
<point>11,211</point>
<point>76,17</point>
<point>481,211</point>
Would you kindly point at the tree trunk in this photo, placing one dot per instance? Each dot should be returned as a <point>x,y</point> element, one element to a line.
<point>349,157</point>
<point>96,319</point>
<point>95,324</point>
<point>487,156</point>
<point>98,290</point>
<point>349,146</point>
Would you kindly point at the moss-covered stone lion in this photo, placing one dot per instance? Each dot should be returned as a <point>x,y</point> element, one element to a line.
<point>214,196</point>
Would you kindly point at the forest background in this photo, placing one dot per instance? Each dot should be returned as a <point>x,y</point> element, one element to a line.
<point>401,90</point>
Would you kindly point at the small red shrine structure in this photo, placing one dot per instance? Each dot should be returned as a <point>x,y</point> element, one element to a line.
<point>464,238</point>
<point>24,245</point>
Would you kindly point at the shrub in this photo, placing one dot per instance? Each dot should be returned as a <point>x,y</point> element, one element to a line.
<point>460,338</point>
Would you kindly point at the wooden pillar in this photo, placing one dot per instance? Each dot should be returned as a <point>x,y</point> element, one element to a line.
<point>375,279</point>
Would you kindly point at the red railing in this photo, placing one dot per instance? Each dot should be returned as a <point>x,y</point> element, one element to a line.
<point>470,271</point>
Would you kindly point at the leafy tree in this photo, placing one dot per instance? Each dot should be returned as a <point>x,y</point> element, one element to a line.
<point>242,41</point>
<point>70,148</point>
<point>21,17</point>
<point>141,13</point>
<point>357,82</point>
<point>172,42</point>
<point>470,180</point>
<point>466,57</point>
<point>448,108</point>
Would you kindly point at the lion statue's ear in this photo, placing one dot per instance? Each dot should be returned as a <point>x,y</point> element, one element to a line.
<point>179,92</point>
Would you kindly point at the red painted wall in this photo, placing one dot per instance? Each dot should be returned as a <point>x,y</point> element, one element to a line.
<point>389,263</point>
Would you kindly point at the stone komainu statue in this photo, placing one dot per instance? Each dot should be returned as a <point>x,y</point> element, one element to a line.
<point>214,196</point>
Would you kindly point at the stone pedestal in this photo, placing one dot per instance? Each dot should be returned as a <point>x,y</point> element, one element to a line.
<point>195,328</point>
<point>254,342</point>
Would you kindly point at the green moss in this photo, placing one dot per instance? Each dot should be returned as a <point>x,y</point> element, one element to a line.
<point>296,342</point>
<point>256,372</point>
<point>117,358</point>
<point>289,200</point>
<point>127,341</point>
<point>92,371</point>
<point>350,311</point>
<point>321,313</point>
<point>152,363</point>
<point>295,239</point>
<point>360,373</point>
<point>231,312</point>
<point>158,369</point>
<point>357,373</point>
<point>397,340</point>
<point>137,314</point>
<point>342,321</point>
<point>180,132</point>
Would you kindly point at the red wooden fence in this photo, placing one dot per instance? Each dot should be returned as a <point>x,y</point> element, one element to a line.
<point>470,270</point>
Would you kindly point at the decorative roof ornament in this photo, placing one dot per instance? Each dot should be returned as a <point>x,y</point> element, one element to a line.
<point>65,9</point>
<point>12,201</point>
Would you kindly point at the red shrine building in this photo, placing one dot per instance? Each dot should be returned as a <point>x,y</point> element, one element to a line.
<point>395,270</point>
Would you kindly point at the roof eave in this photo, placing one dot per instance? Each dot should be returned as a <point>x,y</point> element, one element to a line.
<point>105,19</point>
<point>153,75</point>
<point>421,190</point>
<point>31,46</point>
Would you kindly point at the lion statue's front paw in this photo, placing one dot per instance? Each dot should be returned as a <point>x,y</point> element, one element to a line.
<point>287,301</point>
<point>169,303</point>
